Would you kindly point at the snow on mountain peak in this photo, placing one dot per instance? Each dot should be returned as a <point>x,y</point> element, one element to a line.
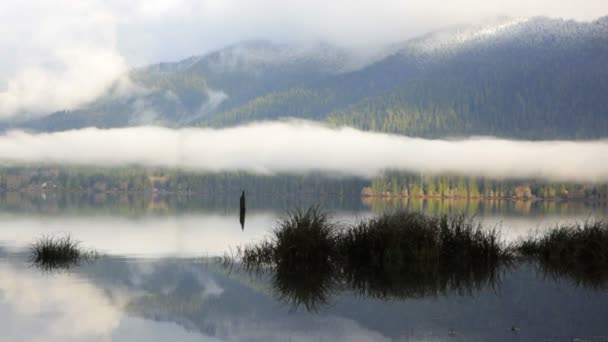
<point>449,39</point>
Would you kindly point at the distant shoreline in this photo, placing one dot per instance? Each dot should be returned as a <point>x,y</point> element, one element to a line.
<point>487,198</point>
<point>156,192</point>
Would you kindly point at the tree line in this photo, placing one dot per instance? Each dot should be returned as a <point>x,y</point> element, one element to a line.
<point>390,184</point>
<point>394,184</point>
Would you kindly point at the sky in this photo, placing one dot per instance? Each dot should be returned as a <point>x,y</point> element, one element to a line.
<point>60,54</point>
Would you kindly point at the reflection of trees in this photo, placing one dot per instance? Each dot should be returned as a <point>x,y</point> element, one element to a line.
<point>484,207</point>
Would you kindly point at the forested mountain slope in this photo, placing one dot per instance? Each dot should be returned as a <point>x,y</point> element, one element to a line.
<point>535,78</point>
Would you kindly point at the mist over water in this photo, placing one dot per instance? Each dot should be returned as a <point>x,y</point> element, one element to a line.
<point>303,147</point>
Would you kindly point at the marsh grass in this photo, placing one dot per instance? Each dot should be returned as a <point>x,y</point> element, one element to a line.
<point>399,254</point>
<point>55,253</point>
<point>410,255</point>
<point>302,238</point>
<point>404,254</point>
<point>396,240</point>
<point>301,254</point>
<point>578,251</point>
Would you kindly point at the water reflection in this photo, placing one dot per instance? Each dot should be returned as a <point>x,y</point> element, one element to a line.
<point>136,205</point>
<point>116,299</point>
<point>75,203</point>
<point>491,207</point>
<point>315,288</point>
<point>156,281</point>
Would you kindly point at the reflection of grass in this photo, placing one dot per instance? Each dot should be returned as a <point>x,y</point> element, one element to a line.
<point>302,255</point>
<point>400,254</point>
<point>578,251</point>
<point>59,253</point>
<point>311,286</point>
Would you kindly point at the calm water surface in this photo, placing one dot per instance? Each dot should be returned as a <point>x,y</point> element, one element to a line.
<point>158,278</point>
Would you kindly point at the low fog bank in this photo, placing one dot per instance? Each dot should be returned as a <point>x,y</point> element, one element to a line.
<point>301,147</point>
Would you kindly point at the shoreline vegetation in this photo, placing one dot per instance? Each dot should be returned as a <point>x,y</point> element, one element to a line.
<point>411,255</point>
<point>364,197</point>
<point>482,198</point>
<point>389,185</point>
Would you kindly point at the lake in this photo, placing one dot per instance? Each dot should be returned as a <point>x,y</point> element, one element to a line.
<point>158,276</point>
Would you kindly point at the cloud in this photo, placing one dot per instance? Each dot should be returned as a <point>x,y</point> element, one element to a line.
<point>56,55</point>
<point>173,29</point>
<point>301,147</point>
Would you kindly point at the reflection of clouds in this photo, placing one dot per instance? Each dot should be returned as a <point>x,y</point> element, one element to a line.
<point>307,328</point>
<point>210,286</point>
<point>145,272</point>
<point>137,329</point>
<point>250,323</point>
<point>39,307</point>
<point>66,307</point>
<point>138,272</point>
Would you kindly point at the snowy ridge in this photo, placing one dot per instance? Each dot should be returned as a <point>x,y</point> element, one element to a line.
<point>253,56</point>
<point>454,38</point>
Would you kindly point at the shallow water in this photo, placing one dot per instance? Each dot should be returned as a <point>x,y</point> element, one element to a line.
<point>158,280</point>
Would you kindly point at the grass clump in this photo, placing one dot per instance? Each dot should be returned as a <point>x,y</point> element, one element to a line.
<point>399,254</point>
<point>52,253</point>
<point>578,251</point>
<point>406,254</point>
<point>409,255</point>
<point>302,239</point>
<point>396,240</point>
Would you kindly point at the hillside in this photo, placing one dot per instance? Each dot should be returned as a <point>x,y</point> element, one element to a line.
<point>535,78</point>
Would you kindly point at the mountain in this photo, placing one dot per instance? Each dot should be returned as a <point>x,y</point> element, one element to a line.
<point>179,94</point>
<point>533,78</point>
<point>538,78</point>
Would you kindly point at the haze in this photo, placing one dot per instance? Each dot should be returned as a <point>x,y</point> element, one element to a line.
<point>303,147</point>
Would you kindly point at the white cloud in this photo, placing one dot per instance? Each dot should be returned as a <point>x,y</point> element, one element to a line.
<point>301,147</point>
<point>83,74</point>
<point>57,55</point>
<point>190,27</point>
